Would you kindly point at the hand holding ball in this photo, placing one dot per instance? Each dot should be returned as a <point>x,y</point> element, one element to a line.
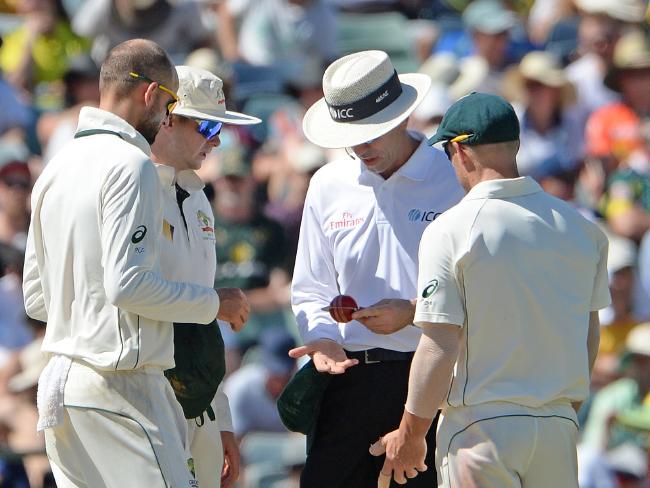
<point>342,307</point>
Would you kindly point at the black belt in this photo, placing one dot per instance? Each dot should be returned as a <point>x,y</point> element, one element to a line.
<point>379,355</point>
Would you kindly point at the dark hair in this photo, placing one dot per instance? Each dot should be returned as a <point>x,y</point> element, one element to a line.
<point>139,56</point>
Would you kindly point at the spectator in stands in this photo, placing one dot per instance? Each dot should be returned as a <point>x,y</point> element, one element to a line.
<point>178,27</point>
<point>21,415</point>
<point>489,23</point>
<point>255,387</point>
<point>617,320</point>
<point>642,288</point>
<point>14,333</point>
<point>251,254</point>
<point>15,114</point>
<point>290,35</point>
<point>600,27</point>
<point>15,186</point>
<point>615,135</point>
<point>39,50</point>
<point>81,82</point>
<point>624,394</point>
<point>551,128</point>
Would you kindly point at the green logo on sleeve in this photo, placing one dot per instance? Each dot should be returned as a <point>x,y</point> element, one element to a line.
<point>430,289</point>
<point>139,234</point>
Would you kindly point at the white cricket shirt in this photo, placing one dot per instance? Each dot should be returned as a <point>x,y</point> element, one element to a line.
<point>188,254</point>
<point>359,236</point>
<point>520,271</point>
<point>92,269</point>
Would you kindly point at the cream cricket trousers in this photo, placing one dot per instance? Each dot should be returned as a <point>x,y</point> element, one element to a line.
<point>500,445</point>
<point>121,429</point>
<point>206,450</point>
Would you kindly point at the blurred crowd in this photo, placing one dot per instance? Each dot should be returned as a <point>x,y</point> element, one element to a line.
<point>577,72</point>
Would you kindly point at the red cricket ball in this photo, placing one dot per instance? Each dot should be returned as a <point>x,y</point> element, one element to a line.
<point>342,307</point>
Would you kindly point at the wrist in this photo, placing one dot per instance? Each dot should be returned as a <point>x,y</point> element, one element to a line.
<point>414,426</point>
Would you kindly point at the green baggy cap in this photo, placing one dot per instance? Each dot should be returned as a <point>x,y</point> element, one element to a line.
<point>478,118</point>
<point>299,403</point>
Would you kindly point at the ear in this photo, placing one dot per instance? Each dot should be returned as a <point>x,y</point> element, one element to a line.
<point>150,94</point>
<point>464,156</point>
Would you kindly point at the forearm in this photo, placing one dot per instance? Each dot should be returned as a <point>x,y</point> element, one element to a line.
<point>431,369</point>
<point>226,35</point>
<point>593,339</point>
<point>23,76</point>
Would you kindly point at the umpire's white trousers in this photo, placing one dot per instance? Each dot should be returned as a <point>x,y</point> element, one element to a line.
<point>503,445</point>
<point>121,429</point>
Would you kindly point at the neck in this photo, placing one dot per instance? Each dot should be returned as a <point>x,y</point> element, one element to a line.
<point>407,146</point>
<point>123,108</point>
<point>488,174</point>
<point>162,152</point>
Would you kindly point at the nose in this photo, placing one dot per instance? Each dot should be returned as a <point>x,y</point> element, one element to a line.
<point>215,141</point>
<point>360,149</point>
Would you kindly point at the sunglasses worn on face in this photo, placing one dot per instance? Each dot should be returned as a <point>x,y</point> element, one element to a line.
<point>445,147</point>
<point>460,138</point>
<point>172,103</point>
<point>208,128</point>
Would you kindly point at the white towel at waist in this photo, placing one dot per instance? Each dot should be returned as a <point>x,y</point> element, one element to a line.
<point>51,385</point>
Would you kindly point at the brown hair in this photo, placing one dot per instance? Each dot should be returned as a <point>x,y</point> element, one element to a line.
<point>139,56</point>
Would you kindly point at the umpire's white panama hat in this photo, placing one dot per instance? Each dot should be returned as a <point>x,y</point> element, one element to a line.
<point>200,96</point>
<point>364,99</point>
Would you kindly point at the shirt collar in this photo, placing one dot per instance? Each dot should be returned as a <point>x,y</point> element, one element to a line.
<point>186,179</point>
<point>504,188</point>
<point>416,168</point>
<point>95,118</point>
<point>189,180</point>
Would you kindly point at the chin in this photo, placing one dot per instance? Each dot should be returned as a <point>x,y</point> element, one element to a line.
<point>197,164</point>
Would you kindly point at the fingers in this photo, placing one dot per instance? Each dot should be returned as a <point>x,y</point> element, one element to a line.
<point>298,352</point>
<point>237,325</point>
<point>378,448</point>
<point>365,313</point>
<point>383,481</point>
<point>327,365</point>
<point>398,476</point>
<point>411,472</point>
<point>377,326</point>
<point>341,366</point>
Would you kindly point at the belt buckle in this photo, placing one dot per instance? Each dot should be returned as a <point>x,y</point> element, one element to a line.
<point>366,359</point>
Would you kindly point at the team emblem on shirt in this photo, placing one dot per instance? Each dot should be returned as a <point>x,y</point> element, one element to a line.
<point>190,467</point>
<point>430,289</point>
<point>206,225</point>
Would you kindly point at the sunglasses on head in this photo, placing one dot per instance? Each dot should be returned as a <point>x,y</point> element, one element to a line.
<point>172,103</point>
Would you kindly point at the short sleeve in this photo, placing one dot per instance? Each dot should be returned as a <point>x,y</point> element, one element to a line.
<point>439,296</point>
<point>600,297</point>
